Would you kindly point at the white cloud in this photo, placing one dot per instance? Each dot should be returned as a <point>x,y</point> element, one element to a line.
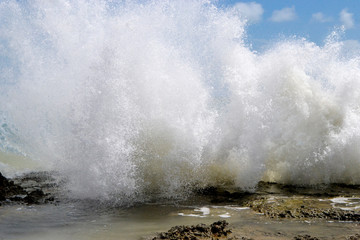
<point>320,17</point>
<point>251,11</point>
<point>347,19</point>
<point>283,15</point>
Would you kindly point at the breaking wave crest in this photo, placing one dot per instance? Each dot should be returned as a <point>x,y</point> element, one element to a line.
<point>126,98</point>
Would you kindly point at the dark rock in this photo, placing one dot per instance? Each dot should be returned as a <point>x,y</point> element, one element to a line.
<point>354,237</point>
<point>17,198</point>
<point>8,189</point>
<point>305,237</point>
<point>218,228</point>
<point>34,197</point>
<point>202,228</point>
<point>26,189</point>
<point>200,231</point>
<point>50,199</point>
<point>300,208</point>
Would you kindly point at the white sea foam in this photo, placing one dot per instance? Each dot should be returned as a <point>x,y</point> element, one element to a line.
<point>226,215</point>
<point>203,210</point>
<point>340,200</point>
<point>346,203</point>
<point>165,96</point>
<point>191,215</point>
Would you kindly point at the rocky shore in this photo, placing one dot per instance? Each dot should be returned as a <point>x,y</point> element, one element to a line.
<point>220,231</point>
<point>27,189</point>
<point>217,230</point>
<point>303,208</point>
<point>332,202</point>
<point>269,200</point>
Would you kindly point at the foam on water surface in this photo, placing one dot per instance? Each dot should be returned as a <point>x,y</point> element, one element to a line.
<point>346,203</point>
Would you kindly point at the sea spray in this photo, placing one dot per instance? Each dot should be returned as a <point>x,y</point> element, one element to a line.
<point>126,99</point>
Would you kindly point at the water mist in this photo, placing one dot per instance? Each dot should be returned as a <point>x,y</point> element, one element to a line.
<point>124,99</point>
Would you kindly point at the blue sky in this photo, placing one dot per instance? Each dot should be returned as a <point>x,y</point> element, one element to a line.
<point>314,20</point>
<point>271,20</point>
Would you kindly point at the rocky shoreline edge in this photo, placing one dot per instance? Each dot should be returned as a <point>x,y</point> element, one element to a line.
<point>277,201</point>
<point>31,188</point>
<point>219,231</point>
<point>274,201</point>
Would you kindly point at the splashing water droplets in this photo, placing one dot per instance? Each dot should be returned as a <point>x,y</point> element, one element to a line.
<point>127,99</point>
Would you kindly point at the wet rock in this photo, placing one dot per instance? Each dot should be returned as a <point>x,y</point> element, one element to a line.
<point>50,199</point>
<point>301,208</point>
<point>354,237</point>
<point>218,228</point>
<point>17,198</point>
<point>202,228</point>
<point>201,231</point>
<point>241,238</point>
<point>35,197</point>
<point>219,195</point>
<point>319,190</point>
<point>37,180</point>
<point>26,189</point>
<point>8,189</point>
<point>305,237</point>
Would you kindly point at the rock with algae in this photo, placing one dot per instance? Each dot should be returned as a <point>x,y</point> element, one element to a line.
<point>217,230</point>
<point>302,208</point>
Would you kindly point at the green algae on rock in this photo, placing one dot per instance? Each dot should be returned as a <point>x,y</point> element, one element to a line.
<point>217,230</point>
<point>301,207</point>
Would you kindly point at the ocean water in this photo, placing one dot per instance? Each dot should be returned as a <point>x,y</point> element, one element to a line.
<point>84,221</point>
<point>128,100</point>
